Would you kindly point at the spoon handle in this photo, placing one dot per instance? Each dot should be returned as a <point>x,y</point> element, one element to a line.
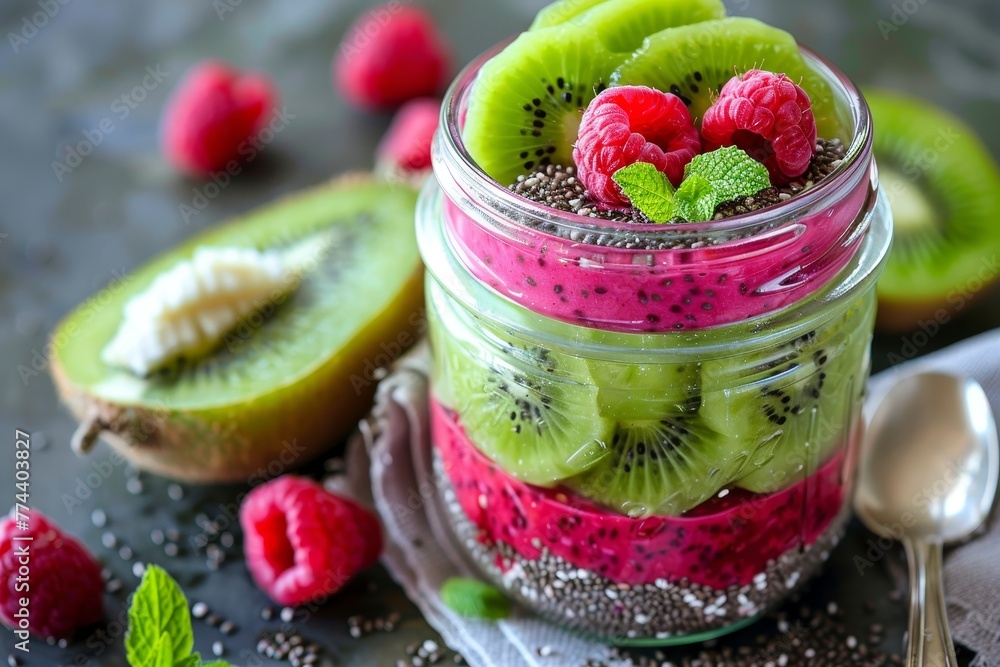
<point>929,638</point>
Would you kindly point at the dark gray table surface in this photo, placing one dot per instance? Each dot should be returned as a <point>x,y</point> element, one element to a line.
<point>66,235</point>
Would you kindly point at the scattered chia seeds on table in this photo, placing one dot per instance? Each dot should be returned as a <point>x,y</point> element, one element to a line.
<point>557,187</point>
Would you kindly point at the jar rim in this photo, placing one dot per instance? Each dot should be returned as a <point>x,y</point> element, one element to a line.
<point>479,301</point>
<point>452,155</point>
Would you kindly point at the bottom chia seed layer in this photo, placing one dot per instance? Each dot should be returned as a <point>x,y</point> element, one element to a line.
<point>584,600</point>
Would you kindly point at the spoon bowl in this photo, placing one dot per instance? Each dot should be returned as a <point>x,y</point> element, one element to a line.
<point>928,476</point>
<point>931,462</point>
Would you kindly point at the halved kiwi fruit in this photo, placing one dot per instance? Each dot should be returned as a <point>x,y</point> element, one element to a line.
<point>525,106</point>
<point>293,381</point>
<point>695,61</point>
<point>794,405</point>
<point>944,191</point>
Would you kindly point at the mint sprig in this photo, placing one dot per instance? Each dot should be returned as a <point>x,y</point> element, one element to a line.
<point>648,189</point>
<point>729,172</point>
<point>710,179</point>
<point>696,199</point>
<point>159,625</point>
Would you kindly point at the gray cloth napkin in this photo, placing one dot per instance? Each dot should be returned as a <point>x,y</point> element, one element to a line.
<point>394,444</point>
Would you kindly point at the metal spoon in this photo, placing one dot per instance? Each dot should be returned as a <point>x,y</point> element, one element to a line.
<point>928,475</point>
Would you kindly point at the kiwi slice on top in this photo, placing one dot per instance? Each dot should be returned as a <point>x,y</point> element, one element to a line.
<point>293,377</point>
<point>695,61</point>
<point>526,103</point>
<point>944,190</point>
<point>561,11</point>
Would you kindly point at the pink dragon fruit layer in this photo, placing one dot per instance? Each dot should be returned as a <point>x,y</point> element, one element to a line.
<point>634,290</point>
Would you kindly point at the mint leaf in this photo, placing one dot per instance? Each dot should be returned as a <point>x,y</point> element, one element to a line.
<point>474,599</point>
<point>648,189</point>
<point>730,173</point>
<point>696,199</point>
<point>163,652</point>
<point>158,609</point>
<point>217,663</point>
<point>193,660</point>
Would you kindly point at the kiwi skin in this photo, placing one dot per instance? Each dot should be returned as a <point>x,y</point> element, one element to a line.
<point>240,443</point>
<point>961,181</point>
<point>897,317</point>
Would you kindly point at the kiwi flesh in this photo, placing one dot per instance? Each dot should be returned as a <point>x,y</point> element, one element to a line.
<point>559,12</point>
<point>943,188</point>
<point>695,61</point>
<point>531,410</point>
<point>291,383</point>
<point>793,406</point>
<point>663,466</point>
<point>646,391</point>
<point>526,103</point>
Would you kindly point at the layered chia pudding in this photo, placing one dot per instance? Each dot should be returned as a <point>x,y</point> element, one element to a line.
<point>650,298</point>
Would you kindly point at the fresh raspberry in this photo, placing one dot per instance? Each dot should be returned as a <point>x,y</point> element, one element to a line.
<point>629,124</point>
<point>391,55</point>
<point>213,115</point>
<point>769,117</point>
<point>406,147</point>
<point>302,542</point>
<point>64,584</point>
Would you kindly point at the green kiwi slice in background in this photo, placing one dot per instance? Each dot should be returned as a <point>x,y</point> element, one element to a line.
<point>944,190</point>
<point>695,61</point>
<point>289,384</point>
<point>793,406</point>
<point>526,103</point>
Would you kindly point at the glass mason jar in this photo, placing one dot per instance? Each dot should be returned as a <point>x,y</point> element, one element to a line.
<point>648,432</point>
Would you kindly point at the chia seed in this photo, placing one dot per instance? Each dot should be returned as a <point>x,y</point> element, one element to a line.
<point>133,485</point>
<point>556,186</point>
